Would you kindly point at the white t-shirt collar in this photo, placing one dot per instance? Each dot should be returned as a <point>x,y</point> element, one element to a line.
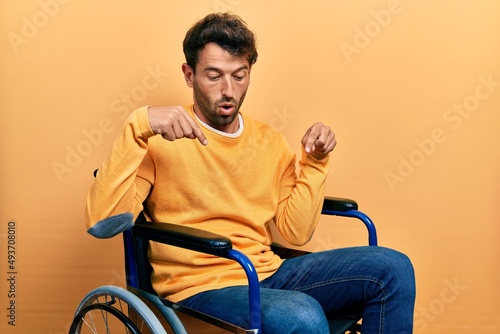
<point>225,134</point>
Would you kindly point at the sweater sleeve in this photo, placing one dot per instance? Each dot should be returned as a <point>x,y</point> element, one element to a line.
<point>301,199</point>
<point>124,180</point>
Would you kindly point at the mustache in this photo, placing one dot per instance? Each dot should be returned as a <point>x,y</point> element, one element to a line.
<point>226,100</point>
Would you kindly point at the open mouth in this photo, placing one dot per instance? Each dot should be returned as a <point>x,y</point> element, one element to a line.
<point>226,108</point>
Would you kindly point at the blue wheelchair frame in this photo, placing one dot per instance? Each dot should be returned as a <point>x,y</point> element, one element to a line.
<point>210,243</point>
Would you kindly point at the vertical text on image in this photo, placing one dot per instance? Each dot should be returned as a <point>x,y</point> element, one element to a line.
<point>11,273</point>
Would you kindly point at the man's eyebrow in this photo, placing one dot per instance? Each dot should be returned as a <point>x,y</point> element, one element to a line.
<point>216,69</point>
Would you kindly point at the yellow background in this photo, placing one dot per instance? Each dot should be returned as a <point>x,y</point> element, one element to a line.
<point>411,88</point>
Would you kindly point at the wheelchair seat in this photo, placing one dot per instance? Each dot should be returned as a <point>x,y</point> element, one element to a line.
<point>138,309</point>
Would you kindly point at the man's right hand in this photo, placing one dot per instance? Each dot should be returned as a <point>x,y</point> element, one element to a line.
<point>174,123</point>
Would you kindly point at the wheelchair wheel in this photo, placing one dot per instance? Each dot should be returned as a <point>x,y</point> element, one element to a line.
<point>111,309</point>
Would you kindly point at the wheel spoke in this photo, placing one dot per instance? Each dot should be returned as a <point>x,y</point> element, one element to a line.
<point>112,310</point>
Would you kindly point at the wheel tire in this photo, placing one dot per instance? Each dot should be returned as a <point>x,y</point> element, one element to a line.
<point>111,309</point>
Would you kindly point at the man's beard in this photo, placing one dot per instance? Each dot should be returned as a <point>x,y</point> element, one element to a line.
<point>210,110</point>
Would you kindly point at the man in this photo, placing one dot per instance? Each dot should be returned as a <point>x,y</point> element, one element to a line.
<point>233,178</point>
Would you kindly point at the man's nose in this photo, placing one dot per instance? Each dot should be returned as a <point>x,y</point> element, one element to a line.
<point>227,87</point>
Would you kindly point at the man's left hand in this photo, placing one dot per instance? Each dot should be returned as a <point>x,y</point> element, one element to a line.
<point>319,140</point>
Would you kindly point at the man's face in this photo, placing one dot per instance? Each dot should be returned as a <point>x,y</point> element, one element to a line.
<point>219,87</point>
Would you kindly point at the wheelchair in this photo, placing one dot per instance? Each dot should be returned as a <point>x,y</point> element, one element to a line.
<point>137,309</point>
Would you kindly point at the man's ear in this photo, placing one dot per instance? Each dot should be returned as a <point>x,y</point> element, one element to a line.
<point>188,74</point>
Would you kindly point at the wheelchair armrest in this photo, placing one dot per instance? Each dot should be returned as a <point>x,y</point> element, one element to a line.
<point>201,241</point>
<point>183,236</point>
<point>339,204</point>
<point>348,208</point>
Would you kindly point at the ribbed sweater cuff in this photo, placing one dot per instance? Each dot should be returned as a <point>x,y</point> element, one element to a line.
<point>311,160</point>
<point>143,122</point>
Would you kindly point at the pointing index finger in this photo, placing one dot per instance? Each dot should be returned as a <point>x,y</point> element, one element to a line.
<point>200,135</point>
<point>197,133</point>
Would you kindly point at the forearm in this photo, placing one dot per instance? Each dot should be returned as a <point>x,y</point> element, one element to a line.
<point>299,213</point>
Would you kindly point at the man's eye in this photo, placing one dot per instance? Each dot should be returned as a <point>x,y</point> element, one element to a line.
<point>213,78</point>
<point>239,77</point>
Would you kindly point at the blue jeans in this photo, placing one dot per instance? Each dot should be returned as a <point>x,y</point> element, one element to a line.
<point>375,283</point>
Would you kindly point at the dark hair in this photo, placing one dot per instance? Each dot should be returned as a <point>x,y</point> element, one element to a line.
<point>228,31</point>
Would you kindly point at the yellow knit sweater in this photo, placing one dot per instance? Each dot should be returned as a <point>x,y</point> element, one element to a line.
<point>234,186</point>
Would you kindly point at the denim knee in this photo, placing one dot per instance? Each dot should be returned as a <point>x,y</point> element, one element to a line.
<point>396,269</point>
<point>399,262</point>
